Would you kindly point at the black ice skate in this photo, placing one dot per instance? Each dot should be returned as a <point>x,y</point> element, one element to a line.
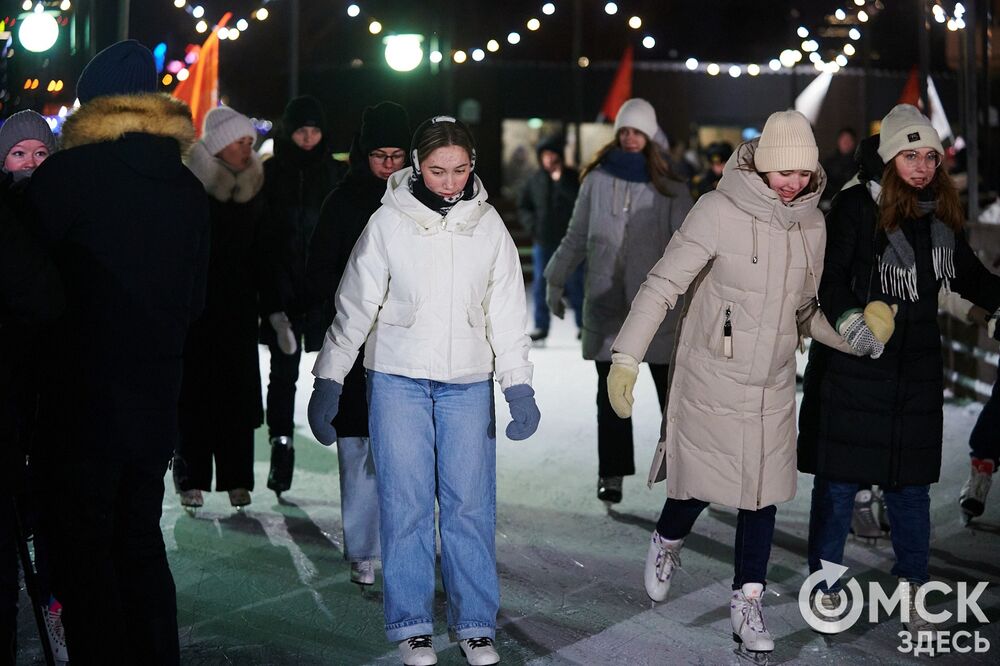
<point>609,489</point>
<point>279,479</point>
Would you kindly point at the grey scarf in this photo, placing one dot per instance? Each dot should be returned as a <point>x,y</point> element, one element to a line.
<point>898,266</point>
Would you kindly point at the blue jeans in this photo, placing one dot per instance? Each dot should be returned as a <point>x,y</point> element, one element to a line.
<point>909,514</point>
<point>574,288</point>
<point>754,533</point>
<point>358,499</point>
<point>434,439</point>
<point>984,441</point>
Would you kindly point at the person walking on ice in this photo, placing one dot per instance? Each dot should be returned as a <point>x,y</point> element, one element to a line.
<point>751,253</point>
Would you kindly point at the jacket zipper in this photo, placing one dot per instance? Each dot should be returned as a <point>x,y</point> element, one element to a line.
<point>760,472</point>
<point>727,333</point>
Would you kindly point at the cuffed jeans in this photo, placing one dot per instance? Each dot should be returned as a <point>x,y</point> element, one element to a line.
<point>909,514</point>
<point>358,499</point>
<point>434,439</point>
<point>615,447</point>
<point>574,288</point>
<point>754,533</point>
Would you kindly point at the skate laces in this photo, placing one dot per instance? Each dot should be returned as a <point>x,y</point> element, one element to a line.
<point>753,614</point>
<point>480,642</point>
<point>418,642</point>
<point>667,559</point>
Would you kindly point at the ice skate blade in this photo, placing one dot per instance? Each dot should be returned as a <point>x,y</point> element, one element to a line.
<point>191,511</point>
<point>758,658</point>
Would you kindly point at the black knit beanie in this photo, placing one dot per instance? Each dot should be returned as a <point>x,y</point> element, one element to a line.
<point>305,111</point>
<point>555,143</point>
<point>384,125</point>
<point>124,68</point>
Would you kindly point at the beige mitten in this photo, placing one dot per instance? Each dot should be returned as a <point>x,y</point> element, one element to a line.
<point>621,381</point>
<point>881,319</point>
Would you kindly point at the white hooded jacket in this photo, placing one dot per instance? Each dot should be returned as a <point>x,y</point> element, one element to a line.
<point>431,297</point>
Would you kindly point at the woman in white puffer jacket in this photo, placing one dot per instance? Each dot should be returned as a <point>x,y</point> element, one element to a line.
<point>434,291</point>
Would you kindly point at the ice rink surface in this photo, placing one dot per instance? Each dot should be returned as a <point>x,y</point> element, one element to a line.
<point>270,586</point>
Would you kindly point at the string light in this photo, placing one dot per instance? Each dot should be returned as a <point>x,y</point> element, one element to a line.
<point>534,24</point>
<point>611,9</point>
<point>548,9</point>
<point>635,23</point>
<point>353,11</point>
<point>493,46</point>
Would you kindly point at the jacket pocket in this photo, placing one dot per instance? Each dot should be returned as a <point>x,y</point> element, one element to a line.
<point>477,316</point>
<point>398,313</point>
<point>726,341</point>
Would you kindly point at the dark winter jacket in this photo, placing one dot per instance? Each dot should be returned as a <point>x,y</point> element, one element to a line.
<point>221,366</point>
<point>344,216</point>
<point>295,184</point>
<point>128,233</point>
<point>30,296</point>
<point>880,420</point>
<point>546,206</point>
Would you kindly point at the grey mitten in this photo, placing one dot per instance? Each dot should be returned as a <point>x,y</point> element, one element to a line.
<point>287,342</point>
<point>857,334</point>
<point>554,299</point>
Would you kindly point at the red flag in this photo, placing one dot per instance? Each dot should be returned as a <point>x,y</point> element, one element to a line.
<point>911,91</point>
<point>201,89</point>
<point>621,87</point>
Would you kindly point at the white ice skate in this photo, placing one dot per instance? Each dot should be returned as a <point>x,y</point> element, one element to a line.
<point>479,651</point>
<point>662,559</point>
<point>363,573</point>
<point>915,624</point>
<point>747,616</point>
<point>417,651</point>
<point>56,634</point>
<point>972,500</point>
<point>864,522</point>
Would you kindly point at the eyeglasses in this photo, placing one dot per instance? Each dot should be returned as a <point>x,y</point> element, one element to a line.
<point>912,159</point>
<point>379,156</point>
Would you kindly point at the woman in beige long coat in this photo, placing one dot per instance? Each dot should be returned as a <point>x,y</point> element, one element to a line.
<point>751,253</point>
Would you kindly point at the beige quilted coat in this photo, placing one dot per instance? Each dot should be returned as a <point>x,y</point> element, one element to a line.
<point>728,434</point>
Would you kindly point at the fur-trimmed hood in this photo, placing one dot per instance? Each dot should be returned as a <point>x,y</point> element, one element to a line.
<point>220,181</point>
<point>112,117</point>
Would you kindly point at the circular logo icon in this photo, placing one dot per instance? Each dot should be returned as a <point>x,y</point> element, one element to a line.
<point>830,620</point>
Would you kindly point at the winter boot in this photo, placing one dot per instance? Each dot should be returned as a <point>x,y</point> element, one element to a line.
<point>479,651</point>
<point>747,617</point>
<point>363,573</point>
<point>864,524</point>
<point>418,651</point>
<point>239,498</point>
<point>609,489</point>
<point>662,559</point>
<point>279,479</point>
<point>972,500</point>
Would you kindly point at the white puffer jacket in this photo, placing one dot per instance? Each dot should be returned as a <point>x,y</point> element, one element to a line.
<point>431,297</point>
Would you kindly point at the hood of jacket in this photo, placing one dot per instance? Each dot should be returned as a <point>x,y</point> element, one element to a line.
<point>748,191</point>
<point>221,183</point>
<point>464,216</point>
<point>111,118</point>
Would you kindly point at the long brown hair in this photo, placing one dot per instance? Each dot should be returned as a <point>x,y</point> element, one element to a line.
<point>659,170</point>
<point>898,200</point>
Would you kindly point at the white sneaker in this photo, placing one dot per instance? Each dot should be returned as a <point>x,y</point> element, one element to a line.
<point>747,617</point>
<point>479,651</point>
<point>662,559</point>
<point>973,497</point>
<point>363,572</point>
<point>417,651</point>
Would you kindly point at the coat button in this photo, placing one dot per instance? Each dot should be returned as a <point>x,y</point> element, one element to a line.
<point>673,419</point>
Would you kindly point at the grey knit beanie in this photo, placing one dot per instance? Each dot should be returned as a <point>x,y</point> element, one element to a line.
<point>25,125</point>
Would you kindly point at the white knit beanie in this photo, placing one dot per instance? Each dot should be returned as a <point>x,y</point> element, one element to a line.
<point>224,125</point>
<point>786,144</point>
<point>905,128</point>
<point>638,114</point>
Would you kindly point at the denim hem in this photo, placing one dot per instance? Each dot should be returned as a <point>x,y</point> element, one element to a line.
<point>363,558</point>
<point>474,630</point>
<point>408,629</point>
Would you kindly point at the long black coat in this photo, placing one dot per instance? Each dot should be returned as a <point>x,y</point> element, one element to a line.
<point>128,233</point>
<point>30,296</point>
<point>221,363</point>
<point>344,216</point>
<point>546,206</point>
<point>295,185</point>
<point>880,420</point>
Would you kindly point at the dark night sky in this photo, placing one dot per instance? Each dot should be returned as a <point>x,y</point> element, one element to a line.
<point>724,30</point>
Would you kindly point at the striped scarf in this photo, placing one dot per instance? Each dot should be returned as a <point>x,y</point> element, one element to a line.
<point>898,266</point>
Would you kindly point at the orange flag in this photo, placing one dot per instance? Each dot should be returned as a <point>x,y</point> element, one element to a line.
<point>911,91</point>
<point>621,87</point>
<point>201,88</point>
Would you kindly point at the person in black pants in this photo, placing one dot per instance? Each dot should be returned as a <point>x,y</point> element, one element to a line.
<point>297,179</point>
<point>128,233</point>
